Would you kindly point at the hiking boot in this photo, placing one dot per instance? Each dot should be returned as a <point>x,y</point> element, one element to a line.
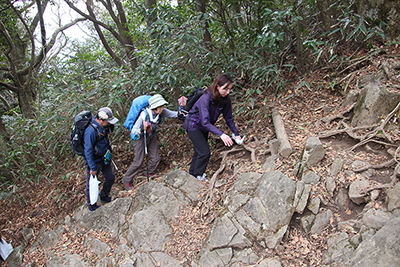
<point>128,186</point>
<point>93,207</point>
<point>105,199</point>
<point>202,178</point>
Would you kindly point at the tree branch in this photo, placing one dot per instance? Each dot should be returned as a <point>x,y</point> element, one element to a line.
<point>93,19</point>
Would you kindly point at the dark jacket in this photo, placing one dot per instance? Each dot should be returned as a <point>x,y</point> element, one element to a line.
<point>205,113</point>
<point>94,153</point>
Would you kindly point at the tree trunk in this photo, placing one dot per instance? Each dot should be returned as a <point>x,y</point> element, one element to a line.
<point>123,30</point>
<point>207,36</point>
<point>322,6</point>
<point>26,100</point>
<point>3,131</point>
<point>152,17</point>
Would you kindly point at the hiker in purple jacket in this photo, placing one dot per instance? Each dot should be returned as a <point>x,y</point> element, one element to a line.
<point>200,121</point>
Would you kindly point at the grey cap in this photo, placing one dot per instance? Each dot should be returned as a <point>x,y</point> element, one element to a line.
<point>106,114</point>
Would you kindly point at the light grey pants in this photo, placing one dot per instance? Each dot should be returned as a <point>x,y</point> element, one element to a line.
<point>153,161</point>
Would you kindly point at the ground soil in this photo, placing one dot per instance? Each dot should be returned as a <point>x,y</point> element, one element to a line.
<point>42,206</point>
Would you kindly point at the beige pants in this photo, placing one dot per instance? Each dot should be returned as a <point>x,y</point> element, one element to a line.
<point>153,158</point>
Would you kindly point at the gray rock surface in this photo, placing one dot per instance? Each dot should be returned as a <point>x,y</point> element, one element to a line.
<point>382,249</point>
<point>258,211</point>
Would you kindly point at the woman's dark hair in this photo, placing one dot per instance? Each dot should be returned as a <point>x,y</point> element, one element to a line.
<point>221,80</point>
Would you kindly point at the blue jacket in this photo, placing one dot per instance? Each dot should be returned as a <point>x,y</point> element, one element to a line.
<point>205,113</point>
<point>94,153</point>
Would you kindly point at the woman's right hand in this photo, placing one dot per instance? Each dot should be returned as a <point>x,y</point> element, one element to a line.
<point>227,140</point>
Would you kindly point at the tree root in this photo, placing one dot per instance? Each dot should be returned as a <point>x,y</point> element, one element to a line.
<point>368,137</point>
<point>378,131</point>
<point>378,166</point>
<point>340,115</point>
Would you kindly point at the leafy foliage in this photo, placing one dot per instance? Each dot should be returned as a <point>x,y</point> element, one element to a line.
<point>264,41</point>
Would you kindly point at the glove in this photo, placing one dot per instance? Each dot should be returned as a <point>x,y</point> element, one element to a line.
<point>237,140</point>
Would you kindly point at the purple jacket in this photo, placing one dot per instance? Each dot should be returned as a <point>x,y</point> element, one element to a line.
<point>208,113</point>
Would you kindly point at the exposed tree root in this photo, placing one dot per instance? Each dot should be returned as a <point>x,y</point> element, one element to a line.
<point>340,115</point>
<point>378,166</point>
<point>377,132</point>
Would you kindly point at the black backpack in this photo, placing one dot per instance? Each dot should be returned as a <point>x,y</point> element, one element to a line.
<point>81,122</point>
<point>190,101</point>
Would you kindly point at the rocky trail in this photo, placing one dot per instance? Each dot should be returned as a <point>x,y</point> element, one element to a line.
<point>343,204</point>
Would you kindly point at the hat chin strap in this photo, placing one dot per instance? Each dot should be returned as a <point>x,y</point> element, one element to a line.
<point>151,119</point>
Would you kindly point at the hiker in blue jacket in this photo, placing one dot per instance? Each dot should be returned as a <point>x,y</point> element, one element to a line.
<point>201,119</point>
<point>96,147</point>
<point>147,122</point>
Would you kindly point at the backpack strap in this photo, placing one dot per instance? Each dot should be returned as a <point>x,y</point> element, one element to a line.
<point>196,110</point>
<point>98,134</point>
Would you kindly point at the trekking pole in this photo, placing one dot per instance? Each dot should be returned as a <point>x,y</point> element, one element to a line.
<point>115,165</point>
<point>145,153</point>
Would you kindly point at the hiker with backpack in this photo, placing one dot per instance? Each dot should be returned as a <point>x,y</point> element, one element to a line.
<point>145,114</point>
<point>200,121</point>
<point>97,153</point>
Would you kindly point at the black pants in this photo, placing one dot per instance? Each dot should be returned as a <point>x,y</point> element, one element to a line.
<point>109,178</point>
<point>201,155</point>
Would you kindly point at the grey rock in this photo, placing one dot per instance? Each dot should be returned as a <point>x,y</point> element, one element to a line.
<point>50,239</point>
<point>71,260</point>
<point>382,249</point>
<point>108,217</point>
<point>310,178</point>
<point>299,193</point>
<point>227,232</point>
<point>244,256</point>
<point>358,164</point>
<point>16,257</point>
<point>376,219</point>
<point>367,234</point>
<point>314,204</point>
<point>216,258</point>
<point>342,198</point>
<point>268,263</point>
<point>357,192</point>
<point>306,221</point>
<point>369,109</point>
<point>302,203</point>
<point>100,248</point>
<point>336,166</point>
<point>339,249</point>
<point>106,262</point>
<point>246,183</point>
<point>269,164</point>
<point>27,233</point>
<point>349,225</point>
<point>330,185</point>
<point>314,151</point>
<point>155,259</point>
<point>148,230</point>
<point>322,220</point>
<point>157,195</point>
<point>272,206</point>
<point>393,196</point>
<point>185,182</point>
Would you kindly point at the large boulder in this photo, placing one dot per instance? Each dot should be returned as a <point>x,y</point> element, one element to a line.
<point>369,108</point>
<point>382,249</point>
<point>263,205</point>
